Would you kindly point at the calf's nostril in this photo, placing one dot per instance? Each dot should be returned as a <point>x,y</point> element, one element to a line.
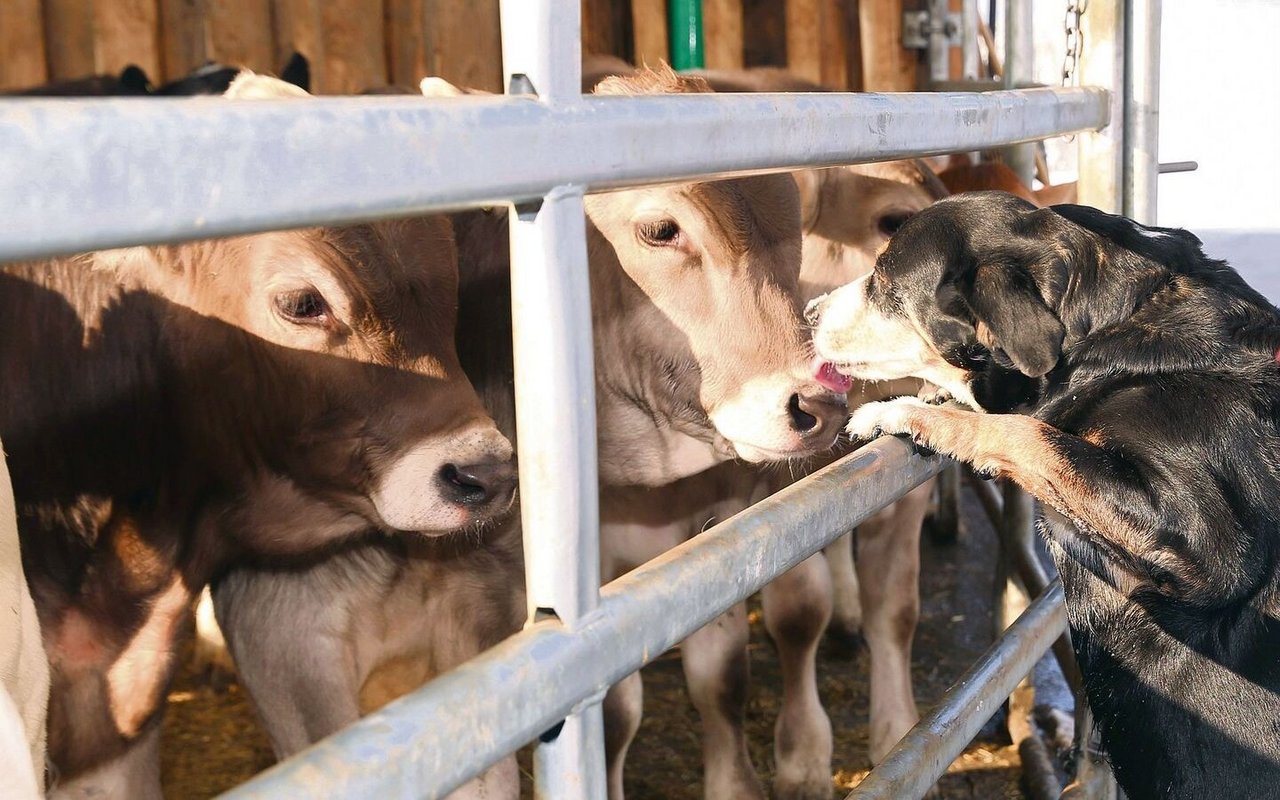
<point>475,484</point>
<point>801,420</point>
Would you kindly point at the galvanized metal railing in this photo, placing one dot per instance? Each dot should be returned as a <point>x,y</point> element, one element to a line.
<point>96,174</point>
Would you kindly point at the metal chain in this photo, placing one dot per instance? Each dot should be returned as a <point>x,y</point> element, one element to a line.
<point>1075,40</point>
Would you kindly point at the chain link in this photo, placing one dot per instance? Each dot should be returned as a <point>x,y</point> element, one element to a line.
<point>1075,40</point>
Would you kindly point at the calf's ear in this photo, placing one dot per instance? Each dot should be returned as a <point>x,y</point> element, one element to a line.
<point>809,182</point>
<point>1013,319</point>
<point>252,86</point>
<point>432,86</point>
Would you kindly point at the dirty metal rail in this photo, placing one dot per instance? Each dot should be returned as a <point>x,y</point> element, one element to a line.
<point>119,172</point>
<point>520,689</point>
<point>920,758</point>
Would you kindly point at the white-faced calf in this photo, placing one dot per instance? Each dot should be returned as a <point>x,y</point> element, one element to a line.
<point>700,356</point>
<point>169,409</point>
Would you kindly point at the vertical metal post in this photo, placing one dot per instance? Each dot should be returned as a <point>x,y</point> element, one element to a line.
<point>1017,521</point>
<point>969,39</point>
<point>1142,109</point>
<point>684,23</point>
<point>1102,64</point>
<point>939,42</point>
<point>555,390</point>
<point>1019,71</point>
<point>1119,166</point>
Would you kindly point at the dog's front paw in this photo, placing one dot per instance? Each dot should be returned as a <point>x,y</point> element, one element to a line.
<point>933,395</point>
<point>900,416</point>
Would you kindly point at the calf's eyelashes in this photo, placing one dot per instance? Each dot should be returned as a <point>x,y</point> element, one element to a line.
<point>659,232</point>
<point>303,307</point>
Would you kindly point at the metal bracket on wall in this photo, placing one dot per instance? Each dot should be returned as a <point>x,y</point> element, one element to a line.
<point>918,26</point>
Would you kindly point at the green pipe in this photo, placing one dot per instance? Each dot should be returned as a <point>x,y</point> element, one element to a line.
<point>684,24</point>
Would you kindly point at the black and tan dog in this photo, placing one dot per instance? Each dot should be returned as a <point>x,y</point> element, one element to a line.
<point>1133,386</point>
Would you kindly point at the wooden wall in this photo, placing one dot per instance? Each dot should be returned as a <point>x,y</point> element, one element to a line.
<point>355,45</point>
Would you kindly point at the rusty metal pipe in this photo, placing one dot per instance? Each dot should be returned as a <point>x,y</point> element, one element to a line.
<point>428,743</point>
<point>924,754</point>
<point>1027,564</point>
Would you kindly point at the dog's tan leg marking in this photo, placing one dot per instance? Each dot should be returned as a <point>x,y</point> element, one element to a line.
<point>1024,449</point>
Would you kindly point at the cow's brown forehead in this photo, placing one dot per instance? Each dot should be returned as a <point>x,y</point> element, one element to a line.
<point>750,210</point>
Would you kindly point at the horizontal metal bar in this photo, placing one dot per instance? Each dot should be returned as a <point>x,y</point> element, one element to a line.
<point>91,174</point>
<point>510,694</point>
<point>1171,167</point>
<point>1026,562</point>
<point>923,755</point>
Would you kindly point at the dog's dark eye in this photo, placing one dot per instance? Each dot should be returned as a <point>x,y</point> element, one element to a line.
<point>878,286</point>
<point>888,224</point>
<point>304,307</point>
<point>659,233</point>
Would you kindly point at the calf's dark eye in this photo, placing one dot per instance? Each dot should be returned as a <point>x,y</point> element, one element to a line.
<point>305,306</point>
<point>660,233</point>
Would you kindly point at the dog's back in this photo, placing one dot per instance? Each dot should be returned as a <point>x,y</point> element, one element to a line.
<point>1183,670</point>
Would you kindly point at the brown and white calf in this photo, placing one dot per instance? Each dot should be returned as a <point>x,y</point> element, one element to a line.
<point>700,356</point>
<point>169,409</point>
<point>848,214</point>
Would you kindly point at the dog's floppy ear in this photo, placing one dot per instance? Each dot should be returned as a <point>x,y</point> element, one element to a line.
<point>1012,318</point>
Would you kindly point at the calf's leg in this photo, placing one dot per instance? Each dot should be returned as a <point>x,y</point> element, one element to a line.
<point>135,774</point>
<point>888,566</point>
<point>717,670</point>
<point>846,604</point>
<point>291,653</point>
<point>797,607</point>
<point>623,708</point>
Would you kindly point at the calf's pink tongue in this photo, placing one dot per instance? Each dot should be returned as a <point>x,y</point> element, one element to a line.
<point>826,374</point>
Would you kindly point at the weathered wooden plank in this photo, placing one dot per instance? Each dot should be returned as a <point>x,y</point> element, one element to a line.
<point>240,33</point>
<point>298,30</point>
<point>464,43</point>
<point>126,32</point>
<point>886,65</point>
<point>22,55</point>
<point>649,26</point>
<point>835,26</point>
<point>69,45</point>
<point>817,41</point>
<point>722,26</point>
<point>355,56</point>
<point>406,42</point>
<point>764,33</point>
<point>605,25</point>
<point>804,41</point>
<point>183,40</point>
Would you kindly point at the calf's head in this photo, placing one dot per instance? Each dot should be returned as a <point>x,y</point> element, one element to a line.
<point>849,213</point>
<point>695,292</point>
<point>334,385</point>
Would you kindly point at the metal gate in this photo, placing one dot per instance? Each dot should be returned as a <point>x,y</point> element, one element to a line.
<point>105,173</point>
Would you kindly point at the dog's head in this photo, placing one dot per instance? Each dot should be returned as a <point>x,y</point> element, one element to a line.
<point>982,293</point>
<point>961,297</point>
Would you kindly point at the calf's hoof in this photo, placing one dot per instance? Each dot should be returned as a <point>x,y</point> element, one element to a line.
<point>811,789</point>
<point>844,638</point>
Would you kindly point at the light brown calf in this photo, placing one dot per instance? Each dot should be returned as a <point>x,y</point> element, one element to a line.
<point>700,357</point>
<point>847,215</point>
<point>167,410</point>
